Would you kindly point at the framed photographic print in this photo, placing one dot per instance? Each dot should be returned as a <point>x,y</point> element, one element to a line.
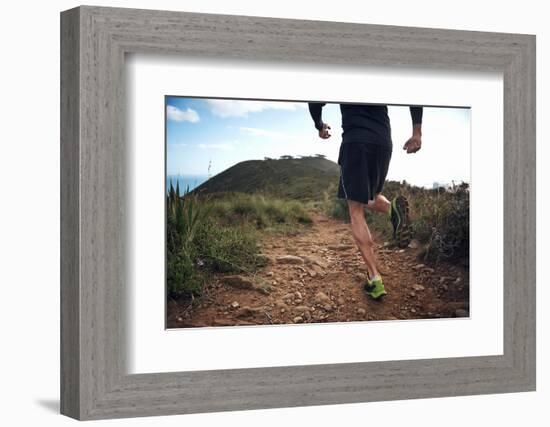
<point>262,213</point>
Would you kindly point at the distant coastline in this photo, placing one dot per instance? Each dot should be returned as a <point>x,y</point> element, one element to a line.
<point>185,181</point>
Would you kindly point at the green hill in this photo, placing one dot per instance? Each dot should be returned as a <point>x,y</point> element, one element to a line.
<point>297,178</point>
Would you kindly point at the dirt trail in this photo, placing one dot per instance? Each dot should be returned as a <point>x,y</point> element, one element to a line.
<point>317,276</point>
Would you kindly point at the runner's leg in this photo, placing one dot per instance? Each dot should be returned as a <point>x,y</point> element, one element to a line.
<point>380,204</point>
<point>362,236</point>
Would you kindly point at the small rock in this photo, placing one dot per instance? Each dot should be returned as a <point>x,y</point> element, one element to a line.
<point>413,310</point>
<point>290,259</point>
<point>460,312</point>
<point>298,319</point>
<point>412,294</point>
<point>327,307</point>
<point>300,309</point>
<point>429,269</point>
<point>180,319</point>
<point>235,304</point>
<point>269,274</point>
<point>319,271</point>
<point>288,297</point>
<point>341,301</point>
<point>298,295</point>
<point>458,280</point>
<point>280,304</point>
<point>400,251</point>
<point>418,266</point>
<point>361,311</point>
<point>321,298</point>
<point>418,287</point>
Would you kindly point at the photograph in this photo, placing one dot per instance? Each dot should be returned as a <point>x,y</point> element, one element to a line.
<point>284,212</point>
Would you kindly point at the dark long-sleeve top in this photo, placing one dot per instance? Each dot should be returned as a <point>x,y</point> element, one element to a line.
<point>363,123</point>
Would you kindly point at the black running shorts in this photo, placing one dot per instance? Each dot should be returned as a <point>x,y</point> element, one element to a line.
<point>363,170</point>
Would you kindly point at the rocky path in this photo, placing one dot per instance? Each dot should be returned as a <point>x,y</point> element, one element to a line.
<point>317,276</point>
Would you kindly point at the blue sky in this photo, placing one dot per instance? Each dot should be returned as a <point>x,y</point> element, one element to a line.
<point>221,133</point>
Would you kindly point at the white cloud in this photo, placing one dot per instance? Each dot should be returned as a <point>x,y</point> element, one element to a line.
<point>177,115</point>
<point>225,146</point>
<point>259,132</point>
<point>237,108</point>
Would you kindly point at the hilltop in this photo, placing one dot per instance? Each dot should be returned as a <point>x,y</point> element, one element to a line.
<point>296,178</point>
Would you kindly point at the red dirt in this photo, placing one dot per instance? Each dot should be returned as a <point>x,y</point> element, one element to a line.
<point>325,285</point>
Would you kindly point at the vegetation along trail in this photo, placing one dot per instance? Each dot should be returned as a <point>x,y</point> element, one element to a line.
<point>315,273</point>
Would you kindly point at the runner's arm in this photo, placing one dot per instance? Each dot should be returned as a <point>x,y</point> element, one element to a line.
<point>414,143</point>
<point>316,110</point>
<point>416,116</point>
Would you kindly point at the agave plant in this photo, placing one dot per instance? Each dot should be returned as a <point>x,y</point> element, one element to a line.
<point>185,215</point>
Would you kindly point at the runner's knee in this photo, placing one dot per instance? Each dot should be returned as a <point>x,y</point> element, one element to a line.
<point>356,214</point>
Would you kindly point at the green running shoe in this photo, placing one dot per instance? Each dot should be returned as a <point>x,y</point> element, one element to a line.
<point>399,217</point>
<point>375,288</point>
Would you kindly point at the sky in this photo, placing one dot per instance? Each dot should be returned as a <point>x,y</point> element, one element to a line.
<point>207,136</point>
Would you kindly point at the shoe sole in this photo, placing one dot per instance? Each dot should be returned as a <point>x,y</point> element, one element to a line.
<point>368,289</point>
<point>378,298</point>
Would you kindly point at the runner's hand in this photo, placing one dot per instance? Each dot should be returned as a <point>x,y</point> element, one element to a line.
<point>413,144</point>
<point>324,132</point>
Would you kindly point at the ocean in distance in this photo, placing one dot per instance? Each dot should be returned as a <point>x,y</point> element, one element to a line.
<point>185,181</point>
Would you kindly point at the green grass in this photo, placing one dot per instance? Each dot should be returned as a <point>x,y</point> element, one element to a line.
<point>260,211</point>
<point>220,233</point>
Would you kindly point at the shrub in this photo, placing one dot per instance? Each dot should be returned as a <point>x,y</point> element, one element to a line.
<point>450,237</point>
<point>207,235</point>
<point>422,230</point>
<point>439,217</point>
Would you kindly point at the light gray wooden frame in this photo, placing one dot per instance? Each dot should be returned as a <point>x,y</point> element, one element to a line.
<point>94,41</point>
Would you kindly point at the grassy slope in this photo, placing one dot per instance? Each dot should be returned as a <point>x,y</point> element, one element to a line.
<point>304,178</point>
